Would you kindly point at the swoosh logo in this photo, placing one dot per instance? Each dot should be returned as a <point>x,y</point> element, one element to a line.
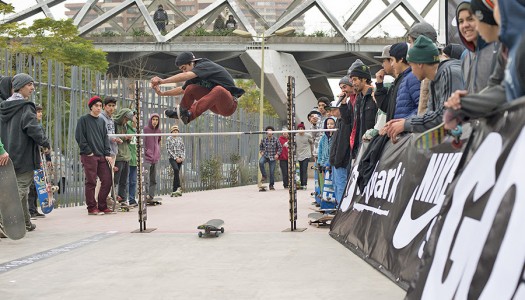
<point>408,228</point>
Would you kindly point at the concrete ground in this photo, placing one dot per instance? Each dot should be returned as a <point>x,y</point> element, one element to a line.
<point>75,256</point>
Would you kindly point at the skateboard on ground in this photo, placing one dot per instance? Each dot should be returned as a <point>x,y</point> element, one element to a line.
<point>154,202</point>
<point>437,135</point>
<point>320,219</point>
<point>213,226</point>
<point>11,211</point>
<point>44,188</point>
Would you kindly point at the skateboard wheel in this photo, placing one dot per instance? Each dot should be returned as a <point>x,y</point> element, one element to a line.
<point>222,229</point>
<point>216,234</point>
<point>200,234</point>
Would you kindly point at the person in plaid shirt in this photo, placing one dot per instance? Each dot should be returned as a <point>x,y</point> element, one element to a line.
<point>270,149</point>
<point>175,147</point>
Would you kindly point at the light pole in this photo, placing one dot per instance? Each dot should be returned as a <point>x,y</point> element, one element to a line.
<point>281,32</point>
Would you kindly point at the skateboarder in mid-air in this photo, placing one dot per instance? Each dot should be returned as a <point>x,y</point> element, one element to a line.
<point>207,86</point>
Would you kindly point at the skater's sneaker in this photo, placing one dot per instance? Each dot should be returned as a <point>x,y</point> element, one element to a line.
<point>30,227</point>
<point>94,212</point>
<point>178,192</point>
<point>263,179</point>
<point>173,194</point>
<point>272,188</point>
<point>185,115</point>
<point>133,204</point>
<point>108,211</point>
<point>170,113</point>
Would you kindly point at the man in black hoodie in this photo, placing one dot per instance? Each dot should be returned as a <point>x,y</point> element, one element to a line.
<point>22,134</point>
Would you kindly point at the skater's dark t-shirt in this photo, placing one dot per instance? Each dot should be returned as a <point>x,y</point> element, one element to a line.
<point>210,74</point>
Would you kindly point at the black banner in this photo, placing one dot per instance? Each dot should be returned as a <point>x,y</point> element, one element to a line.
<point>445,224</point>
<point>388,221</point>
<point>477,249</point>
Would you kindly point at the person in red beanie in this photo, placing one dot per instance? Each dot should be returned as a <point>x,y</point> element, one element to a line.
<point>92,138</point>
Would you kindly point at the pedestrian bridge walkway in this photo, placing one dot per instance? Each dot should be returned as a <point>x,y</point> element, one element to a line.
<point>73,255</point>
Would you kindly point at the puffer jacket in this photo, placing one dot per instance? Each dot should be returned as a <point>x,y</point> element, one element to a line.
<point>407,100</point>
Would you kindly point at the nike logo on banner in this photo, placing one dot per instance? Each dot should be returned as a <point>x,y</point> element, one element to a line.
<point>408,228</point>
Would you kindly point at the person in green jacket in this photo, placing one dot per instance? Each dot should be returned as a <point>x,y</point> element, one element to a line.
<point>4,156</point>
<point>132,177</point>
<point>121,119</point>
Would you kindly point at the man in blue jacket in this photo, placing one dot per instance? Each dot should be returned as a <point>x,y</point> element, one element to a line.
<point>407,99</point>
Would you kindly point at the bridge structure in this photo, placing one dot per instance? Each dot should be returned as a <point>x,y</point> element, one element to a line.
<point>311,60</point>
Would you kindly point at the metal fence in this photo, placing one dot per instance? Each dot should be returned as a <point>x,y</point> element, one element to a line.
<point>211,161</point>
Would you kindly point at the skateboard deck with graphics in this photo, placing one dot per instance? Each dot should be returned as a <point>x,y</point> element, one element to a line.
<point>44,188</point>
<point>11,211</point>
<point>437,135</point>
<point>320,219</point>
<point>318,183</point>
<point>212,227</point>
<point>112,197</point>
<point>328,193</point>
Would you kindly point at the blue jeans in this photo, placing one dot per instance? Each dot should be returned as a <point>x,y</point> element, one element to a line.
<point>271,163</point>
<point>339,180</point>
<point>132,184</point>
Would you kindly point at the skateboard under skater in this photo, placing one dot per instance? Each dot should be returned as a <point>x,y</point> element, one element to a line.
<point>44,188</point>
<point>11,211</point>
<point>212,227</point>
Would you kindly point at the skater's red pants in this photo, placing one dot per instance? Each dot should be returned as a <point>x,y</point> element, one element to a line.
<point>198,99</point>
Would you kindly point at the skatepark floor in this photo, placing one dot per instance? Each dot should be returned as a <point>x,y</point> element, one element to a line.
<point>75,256</point>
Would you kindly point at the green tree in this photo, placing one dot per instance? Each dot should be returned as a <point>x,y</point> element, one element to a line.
<point>250,100</point>
<point>51,39</point>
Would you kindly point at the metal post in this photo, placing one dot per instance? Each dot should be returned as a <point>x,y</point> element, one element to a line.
<point>261,110</point>
<point>143,211</point>
<point>292,185</point>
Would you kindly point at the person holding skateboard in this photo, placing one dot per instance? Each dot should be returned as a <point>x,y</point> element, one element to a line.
<point>22,134</point>
<point>207,86</point>
<point>32,196</point>
<point>92,138</point>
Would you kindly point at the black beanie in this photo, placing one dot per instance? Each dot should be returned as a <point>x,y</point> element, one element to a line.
<point>360,70</point>
<point>484,11</point>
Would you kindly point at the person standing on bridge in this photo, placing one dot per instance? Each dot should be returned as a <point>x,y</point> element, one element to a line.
<point>160,17</point>
<point>207,86</point>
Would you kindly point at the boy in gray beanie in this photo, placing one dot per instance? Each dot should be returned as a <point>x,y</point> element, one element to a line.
<point>20,80</point>
<point>22,134</point>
